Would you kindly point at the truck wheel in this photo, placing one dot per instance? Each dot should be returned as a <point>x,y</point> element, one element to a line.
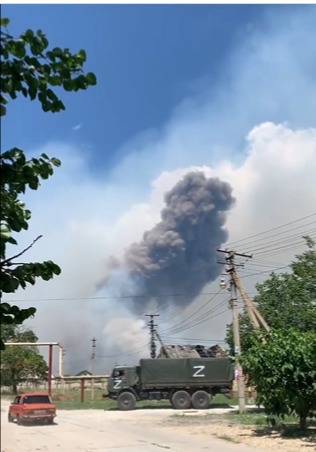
<point>126,401</point>
<point>181,400</point>
<point>18,420</point>
<point>200,400</point>
<point>10,418</point>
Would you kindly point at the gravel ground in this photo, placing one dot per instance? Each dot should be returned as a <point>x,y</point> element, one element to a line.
<point>138,431</point>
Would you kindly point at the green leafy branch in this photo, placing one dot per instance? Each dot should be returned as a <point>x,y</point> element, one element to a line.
<point>28,68</point>
<point>8,262</point>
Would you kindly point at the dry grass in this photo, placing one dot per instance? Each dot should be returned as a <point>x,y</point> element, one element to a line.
<point>250,428</point>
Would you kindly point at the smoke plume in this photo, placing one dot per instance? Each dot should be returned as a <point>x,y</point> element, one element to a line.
<point>177,256</point>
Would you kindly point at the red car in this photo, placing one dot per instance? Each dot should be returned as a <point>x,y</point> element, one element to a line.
<point>32,407</point>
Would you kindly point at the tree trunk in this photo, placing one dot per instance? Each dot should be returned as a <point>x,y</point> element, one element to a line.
<point>14,388</point>
<point>303,418</point>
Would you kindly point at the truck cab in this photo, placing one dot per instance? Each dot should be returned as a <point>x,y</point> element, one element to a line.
<point>122,377</point>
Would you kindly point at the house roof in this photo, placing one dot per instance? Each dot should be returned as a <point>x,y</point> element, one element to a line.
<point>83,372</point>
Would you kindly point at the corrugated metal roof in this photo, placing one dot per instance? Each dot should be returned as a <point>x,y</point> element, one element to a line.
<point>190,351</point>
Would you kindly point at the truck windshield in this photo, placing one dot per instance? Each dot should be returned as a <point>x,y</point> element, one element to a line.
<point>36,399</point>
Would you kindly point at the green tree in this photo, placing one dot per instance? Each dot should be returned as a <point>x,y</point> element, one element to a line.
<point>29,68</point>
<point>20,363</point>
<point>286,300</point>
<point>283,370</point>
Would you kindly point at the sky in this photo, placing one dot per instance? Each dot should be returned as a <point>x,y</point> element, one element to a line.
<point>228,90</point>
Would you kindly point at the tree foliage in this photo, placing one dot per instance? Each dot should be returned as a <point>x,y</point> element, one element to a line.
<point>29,68</point>
<point>286,300</point>
<point>283,370</point>
<point>20,363</point>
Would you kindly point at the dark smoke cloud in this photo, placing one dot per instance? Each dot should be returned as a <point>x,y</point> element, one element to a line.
<point>178,256</point>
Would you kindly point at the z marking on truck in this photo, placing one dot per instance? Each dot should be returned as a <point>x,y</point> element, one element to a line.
<point>198,372</point>
<point>117,384</point>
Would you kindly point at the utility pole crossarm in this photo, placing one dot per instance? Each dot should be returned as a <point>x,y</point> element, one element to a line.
<point>234,253</point>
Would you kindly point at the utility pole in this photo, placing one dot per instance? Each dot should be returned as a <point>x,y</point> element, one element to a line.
<point>152,333</point>
<point>93,340</point>
<point>230,260</point>
<point>164,348</point>
<point>61,367</point>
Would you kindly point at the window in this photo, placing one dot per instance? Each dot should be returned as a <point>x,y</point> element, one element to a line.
<point>17,400</point>
<point>118,373</point>
<point>36,399</point>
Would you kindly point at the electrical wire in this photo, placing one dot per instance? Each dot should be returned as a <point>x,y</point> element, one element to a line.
<point>125,354</point>
<point>198,310</point>
<point>199,340</point>
<point>114,297</point>
<point>197,322</point>
<point>284,240</point>
<point>190,318</point>
<point>233,244</point>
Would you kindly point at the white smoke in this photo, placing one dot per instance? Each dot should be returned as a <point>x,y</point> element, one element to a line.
<point>274,185</point>
<point>124,334</point>
<point>256,133</point>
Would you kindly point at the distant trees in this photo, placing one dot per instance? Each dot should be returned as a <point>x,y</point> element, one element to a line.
<point>20,363</point>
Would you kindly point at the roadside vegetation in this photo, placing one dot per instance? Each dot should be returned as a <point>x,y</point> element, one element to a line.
<point>281,364</point>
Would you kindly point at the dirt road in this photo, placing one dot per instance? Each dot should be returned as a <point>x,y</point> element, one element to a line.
<point>108,431</point>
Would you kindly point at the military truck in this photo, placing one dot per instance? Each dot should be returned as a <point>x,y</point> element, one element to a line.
<point>186,382</point>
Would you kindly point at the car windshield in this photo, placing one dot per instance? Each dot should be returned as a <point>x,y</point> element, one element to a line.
<point>37,399</point>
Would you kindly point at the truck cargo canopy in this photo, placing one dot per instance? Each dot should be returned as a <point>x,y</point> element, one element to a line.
<point>180,371</point>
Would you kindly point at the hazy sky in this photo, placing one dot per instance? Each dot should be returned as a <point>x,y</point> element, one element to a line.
<point>228,90</point>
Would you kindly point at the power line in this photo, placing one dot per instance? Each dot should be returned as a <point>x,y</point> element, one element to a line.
<point>118,297</point>
<point>285,240</point>
<point>287,244</point>
<point>263,272</point>
<point>261,242</point>
<point>190,318</point>
<point>198,340</point>
<point>203,320</point>
<point>270,230</point>
<point>125,354</point>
